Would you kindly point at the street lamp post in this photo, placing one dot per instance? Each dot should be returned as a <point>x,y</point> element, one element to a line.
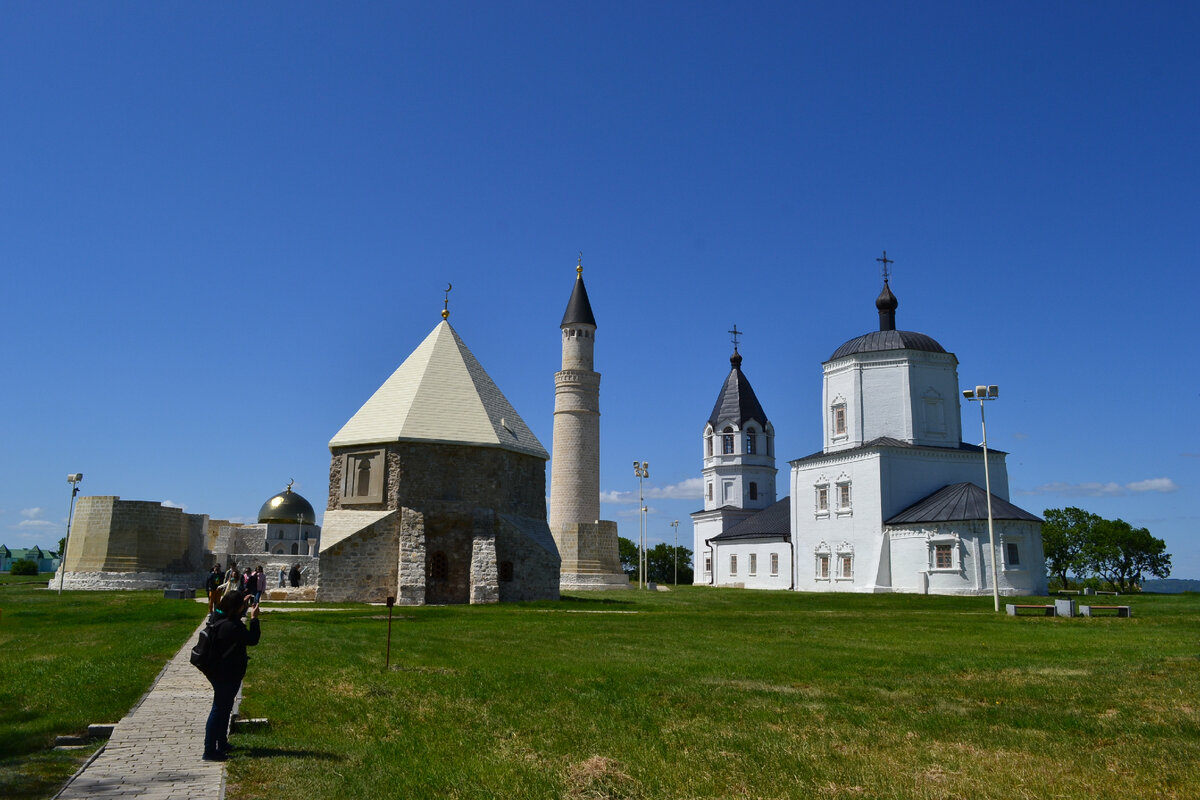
<point>642,471</point>
<point>983,394</point>
<point>74,478</point>
<point>675,525</point>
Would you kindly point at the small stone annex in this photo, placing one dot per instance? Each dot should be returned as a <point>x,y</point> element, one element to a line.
<point>437,491</point>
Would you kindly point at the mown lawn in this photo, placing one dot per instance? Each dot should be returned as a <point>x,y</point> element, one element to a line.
<point>709,693</point>
<point>70,660</point>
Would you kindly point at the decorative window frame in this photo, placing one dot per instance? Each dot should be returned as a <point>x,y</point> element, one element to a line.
<point>933,415</point>
<point>728,441</point>
<point>822,552</point>
<point>708,441</point>
<point>377,465</point>
<point>819,511</point>
<point>844,484</point>
<point>838,412</point>
<point>845,550</point>
<point>1007,564</point>
<point>708,565</point>
<point>945,539</point>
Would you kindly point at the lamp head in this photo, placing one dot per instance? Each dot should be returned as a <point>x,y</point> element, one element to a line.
<point>75,477</point>
<point>969,394</point>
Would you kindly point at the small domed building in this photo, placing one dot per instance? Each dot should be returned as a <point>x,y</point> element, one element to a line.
<point>291,525</point>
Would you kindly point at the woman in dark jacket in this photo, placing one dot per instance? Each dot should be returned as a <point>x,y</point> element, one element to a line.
<point>230,639</point>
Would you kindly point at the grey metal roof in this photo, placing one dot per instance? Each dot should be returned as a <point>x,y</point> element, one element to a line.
<point>887,441</point>
<point>737,403</point>
<point>774,520</point>
<point>879,341</point>
<point>959,502</point>
<point>579,310</point>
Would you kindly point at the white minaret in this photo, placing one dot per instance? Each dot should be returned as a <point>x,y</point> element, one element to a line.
<point>587,545</point>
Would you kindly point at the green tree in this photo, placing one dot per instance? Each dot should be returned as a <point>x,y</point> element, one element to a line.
<point>661,561</point>
<point>1122,554</point>
<point>24,567</point>
<point>62,546</point>
<point>628,553</point>
<point>1065,531</point>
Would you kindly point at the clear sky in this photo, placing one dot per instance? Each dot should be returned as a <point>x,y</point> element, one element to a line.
<point>223,225</point>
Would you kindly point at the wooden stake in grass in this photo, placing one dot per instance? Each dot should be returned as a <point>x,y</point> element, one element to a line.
<point>387,659</point>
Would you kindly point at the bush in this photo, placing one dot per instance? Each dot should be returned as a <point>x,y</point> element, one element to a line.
<point>24,567</point>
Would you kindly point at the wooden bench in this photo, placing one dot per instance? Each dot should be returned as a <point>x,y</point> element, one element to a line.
<point>1121,611</point>
<point>1015,608</point>
<point>1068,591</point>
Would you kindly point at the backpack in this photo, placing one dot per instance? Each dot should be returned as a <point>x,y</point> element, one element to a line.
<point>204,655</point>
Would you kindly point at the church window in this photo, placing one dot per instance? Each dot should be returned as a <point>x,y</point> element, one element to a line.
<point>754,563</point>
<point>753,490</point>
<point>710,492</point>
<point>935,415</point>
<point>1011,554</point>
<point>506,571</point>
<point>823,499</point>
<point>823,566</point>
<point>439,567</point>
<point>708,565</point>
<point>708,445</point>
<point>943,556</point>
<point>751,448</point>
<point>774,563</point>
<point>727,492</point>
<point>727,441</point>
<point>847,564</point>
<point>839,419</point>
<point>733,565</point>
<point>843,495</point>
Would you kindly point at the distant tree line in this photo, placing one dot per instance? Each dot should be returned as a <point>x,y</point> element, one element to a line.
<point>660,561</point>
<point>1085,545</point>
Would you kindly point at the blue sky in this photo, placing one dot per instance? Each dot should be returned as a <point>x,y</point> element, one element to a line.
<point>223,225</point>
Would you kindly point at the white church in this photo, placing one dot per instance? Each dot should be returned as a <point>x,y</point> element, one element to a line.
<point>892,502</point>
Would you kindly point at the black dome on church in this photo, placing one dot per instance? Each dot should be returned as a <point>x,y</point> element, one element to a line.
<point>287,507</point>
<point>875,341</point>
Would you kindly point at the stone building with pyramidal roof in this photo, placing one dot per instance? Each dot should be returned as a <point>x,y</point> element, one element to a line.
<point>437,490</point>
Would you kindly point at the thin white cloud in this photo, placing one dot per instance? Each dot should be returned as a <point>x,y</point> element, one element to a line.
<point>173,504</point>
<point>31,513</point>
<point>689,489</point>
<point>36,523</point>
<point>1109,489</point>
<point>1020,436</point>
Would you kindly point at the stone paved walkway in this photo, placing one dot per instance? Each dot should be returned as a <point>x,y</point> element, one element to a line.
<point>155,750</point>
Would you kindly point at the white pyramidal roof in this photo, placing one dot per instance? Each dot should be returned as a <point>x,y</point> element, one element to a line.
<point>440,393</point>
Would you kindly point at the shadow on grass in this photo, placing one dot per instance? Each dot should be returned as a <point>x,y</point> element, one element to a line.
<point>284,752</point>
<point>610,601</point>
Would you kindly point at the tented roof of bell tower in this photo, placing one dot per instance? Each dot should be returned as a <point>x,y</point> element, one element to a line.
<point>736,404</point>
<point>440,394</point>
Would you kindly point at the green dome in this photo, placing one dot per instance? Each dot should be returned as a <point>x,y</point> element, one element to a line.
<point>287,507</point>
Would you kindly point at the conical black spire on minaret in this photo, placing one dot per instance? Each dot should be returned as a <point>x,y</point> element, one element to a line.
<point>736,403</point>
<point>886,302</point>
<point>579,310</point>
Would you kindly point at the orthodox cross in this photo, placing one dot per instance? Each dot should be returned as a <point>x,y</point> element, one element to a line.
<point>579,268</point>
<point>446,303</point>
<point>885,261</point>
<point>735,333</point>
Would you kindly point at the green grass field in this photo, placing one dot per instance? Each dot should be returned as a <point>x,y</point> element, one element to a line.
<point>725,693</point>
<point>695,693</point>
<point>70,660</point>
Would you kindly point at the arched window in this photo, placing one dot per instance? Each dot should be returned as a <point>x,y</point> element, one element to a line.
<point>727,441</point>
<point>708,445</point>
<point>751,439</point>
<point>438,566</point>
<point>295,548</point>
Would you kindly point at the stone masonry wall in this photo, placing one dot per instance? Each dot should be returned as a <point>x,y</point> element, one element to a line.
<point>363,567</point>
<point>534,569</point>
<point>114,535</point>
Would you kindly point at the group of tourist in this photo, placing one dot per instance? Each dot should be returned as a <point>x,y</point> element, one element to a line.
<point>252,582</point>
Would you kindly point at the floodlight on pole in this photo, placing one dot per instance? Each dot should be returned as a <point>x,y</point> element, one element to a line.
<point>74,478</point>
<point>642,471</point>
<point>981,394</point>
<point>675,525</point>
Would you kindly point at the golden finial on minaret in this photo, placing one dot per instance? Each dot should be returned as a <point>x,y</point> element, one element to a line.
<point>579,269</point>
<point>446,303</point>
